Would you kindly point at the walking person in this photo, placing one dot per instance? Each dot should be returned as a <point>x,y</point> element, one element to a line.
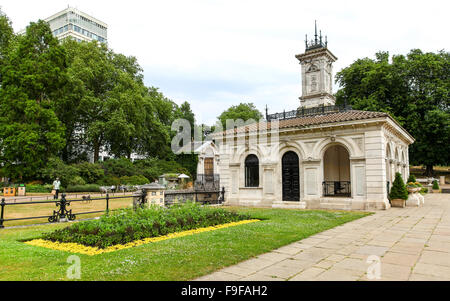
<point>56,186</point>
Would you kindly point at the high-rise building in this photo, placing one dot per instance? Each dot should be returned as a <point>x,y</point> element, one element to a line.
<point>75,24</point>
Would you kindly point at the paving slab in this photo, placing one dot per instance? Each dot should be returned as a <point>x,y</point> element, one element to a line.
<point>410,243</point>
<point>308,274</point>
<point>400,259</point>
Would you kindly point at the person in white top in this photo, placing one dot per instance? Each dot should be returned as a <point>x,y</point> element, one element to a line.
<point>56,186</point>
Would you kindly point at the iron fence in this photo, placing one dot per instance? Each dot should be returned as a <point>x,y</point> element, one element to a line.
<point>302,112</point>
<point>337,188</point>
<point>206,197</point>
<point>61,213</point>
<point>205,182</point>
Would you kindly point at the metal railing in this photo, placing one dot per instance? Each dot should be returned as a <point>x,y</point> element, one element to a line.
<point>61,213</point>
<point>207,182</point>
<point>206,197</point>
<point>337,188</point>
<point>302,112</point>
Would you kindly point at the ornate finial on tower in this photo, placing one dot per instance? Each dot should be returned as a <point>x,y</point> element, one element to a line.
<point>317,42</point>
<point>315,31</point>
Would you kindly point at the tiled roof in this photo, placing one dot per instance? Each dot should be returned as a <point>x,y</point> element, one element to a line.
<point>312,120</point>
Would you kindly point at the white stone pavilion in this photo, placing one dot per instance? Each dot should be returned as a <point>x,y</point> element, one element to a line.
<point>318,156</point>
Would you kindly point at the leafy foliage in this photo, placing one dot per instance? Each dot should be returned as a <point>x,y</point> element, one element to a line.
<point>243,111</point>
<point>56,168</point>
<point>435,185</point>
<point>398,190</point>
<point>72,100</point>
<point>152,168</point>
<point>414,89</point>
<point>412,178</point>
<point>134,180</point>
<point>90,172</point>
<point>83,188</point>
<point>32,72</point>
<point>126,225</point>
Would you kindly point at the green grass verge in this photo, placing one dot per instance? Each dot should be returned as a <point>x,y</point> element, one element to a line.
<point>180,259</point>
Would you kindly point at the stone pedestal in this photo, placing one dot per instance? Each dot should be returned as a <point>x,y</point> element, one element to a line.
<point>415,199</point>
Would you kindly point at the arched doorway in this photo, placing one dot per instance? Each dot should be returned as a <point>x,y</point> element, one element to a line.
<point>336,164</point>
<point>291,177</point>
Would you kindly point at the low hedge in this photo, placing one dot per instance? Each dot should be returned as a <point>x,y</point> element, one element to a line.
<point>126,225</point>
<point>83,188</point>
<point>38,188</point>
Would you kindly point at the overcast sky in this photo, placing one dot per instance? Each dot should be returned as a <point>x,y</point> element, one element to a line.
<point>215,54</point>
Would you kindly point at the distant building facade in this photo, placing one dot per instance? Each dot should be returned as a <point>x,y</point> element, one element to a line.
<point>75,24</point>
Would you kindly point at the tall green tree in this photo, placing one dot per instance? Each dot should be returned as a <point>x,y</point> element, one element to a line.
<point>33,69</point>
<point>6,36</point>
<point>414,89</point>
<point>244,111</point>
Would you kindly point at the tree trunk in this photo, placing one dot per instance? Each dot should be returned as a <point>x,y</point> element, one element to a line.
<point>96,151</point>
<point>429,171</point>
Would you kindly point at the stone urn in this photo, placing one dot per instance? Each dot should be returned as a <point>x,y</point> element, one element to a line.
<point>415,199</point>
<point>401,203</point>
<point>414,189</point>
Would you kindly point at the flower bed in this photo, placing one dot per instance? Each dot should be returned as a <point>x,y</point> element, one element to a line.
<point>125,226</point>
<point>81,249</point>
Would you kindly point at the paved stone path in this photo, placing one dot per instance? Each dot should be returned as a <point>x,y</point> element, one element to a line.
<point>410,244</point>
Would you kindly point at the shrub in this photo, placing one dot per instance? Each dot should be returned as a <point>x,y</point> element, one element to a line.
<point>90,172</point>
<point>56,168</point>
<point>412,179</point>
<point>398,190</point>
<point>134,180</point>
<point>76,181</point>
<point>38,188</point>
<point>424,190</point>
<point>435,185</point>
<point>126,225</point>
<point>119,167</point>
<point>152,168</point>
<point>83,188</point>
<point>109,181</point>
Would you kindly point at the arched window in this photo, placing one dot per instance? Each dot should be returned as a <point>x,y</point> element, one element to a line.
<point>251,171</point>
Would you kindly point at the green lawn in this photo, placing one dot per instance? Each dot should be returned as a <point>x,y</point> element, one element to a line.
<point>182,258</point>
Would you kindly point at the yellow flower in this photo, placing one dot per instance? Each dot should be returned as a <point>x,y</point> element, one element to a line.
<point>91,251</point>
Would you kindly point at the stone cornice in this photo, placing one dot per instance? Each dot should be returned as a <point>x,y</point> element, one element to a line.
<point>324,127</point>
<point>312,54</point>
<point>386,123</point>
<point>395,130</point>
<point>317,95</point>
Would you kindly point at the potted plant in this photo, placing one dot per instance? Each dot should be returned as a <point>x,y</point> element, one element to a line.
<point>399,192</point>
<point>436,188</point>
<point>412,179</point>
<point>412,187</point>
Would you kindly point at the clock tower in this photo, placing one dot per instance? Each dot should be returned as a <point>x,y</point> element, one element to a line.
<point>317,73</point>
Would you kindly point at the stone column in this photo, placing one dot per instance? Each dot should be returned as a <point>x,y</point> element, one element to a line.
<point>376,196</point>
